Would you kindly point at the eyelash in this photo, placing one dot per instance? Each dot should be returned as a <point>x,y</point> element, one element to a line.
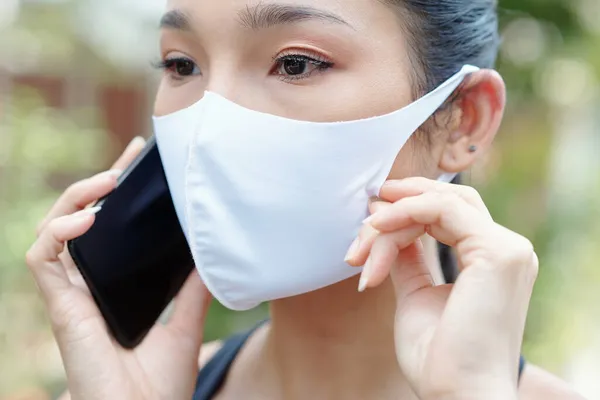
<point>171,64</point>
<point>320,63</point>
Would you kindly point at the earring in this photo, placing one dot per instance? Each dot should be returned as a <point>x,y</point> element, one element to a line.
<point>472,149</point>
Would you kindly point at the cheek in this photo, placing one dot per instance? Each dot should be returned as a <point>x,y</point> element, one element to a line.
<point>339,96</point>
<point>174,96</point>
<point>414,160</point>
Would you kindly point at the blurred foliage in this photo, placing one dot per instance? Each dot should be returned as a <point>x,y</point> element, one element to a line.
<point>39,144</point>
<point>551,65</point>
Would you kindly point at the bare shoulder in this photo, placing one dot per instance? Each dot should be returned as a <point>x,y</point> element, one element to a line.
<point>538,384</point>
<point>208,351</point>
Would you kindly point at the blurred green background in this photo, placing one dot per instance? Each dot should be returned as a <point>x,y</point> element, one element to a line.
<point>75,87</point>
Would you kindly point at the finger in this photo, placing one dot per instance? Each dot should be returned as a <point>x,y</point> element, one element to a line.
<point>377,204</point>
<point>492,294</point>
<point>417,317</point>
<point>447,217</point>
<point>497,281</point>
<point>409,271</point>
<point>485,315</point>
<point>81,194</point>
<point>73,272</point>
<point>130,153</point>
<point>395,190</point>
<point>384,253</point>
<point>191,308</point>
<point>359,250</point>
<point>43,257</point>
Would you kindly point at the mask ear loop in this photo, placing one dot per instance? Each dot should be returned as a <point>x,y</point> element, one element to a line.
<point>447,177</point>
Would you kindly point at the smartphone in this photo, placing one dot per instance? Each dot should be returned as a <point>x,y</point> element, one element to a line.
<point>135,257</point>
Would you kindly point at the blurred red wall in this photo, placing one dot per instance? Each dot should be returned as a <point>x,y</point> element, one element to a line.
<point>121,108</point>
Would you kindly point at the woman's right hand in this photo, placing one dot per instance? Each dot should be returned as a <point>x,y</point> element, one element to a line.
<point>165,365</point>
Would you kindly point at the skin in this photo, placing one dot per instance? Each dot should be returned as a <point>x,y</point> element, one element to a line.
<point>457,341</point>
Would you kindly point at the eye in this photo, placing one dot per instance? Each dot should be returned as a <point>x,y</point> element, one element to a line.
<point>299,66</point>
<point>179,67</point>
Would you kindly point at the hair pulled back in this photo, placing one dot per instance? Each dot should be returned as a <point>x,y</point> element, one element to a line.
<point>443,36</point>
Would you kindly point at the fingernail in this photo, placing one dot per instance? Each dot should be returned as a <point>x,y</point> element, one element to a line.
<point>92,210</point>
<point>364,276</point>
<point>86,213</point>
<point>114,173</point>
<point>392,182</point>
<point>136,140</point>
<point>352,250</point>
<point>376,216</point>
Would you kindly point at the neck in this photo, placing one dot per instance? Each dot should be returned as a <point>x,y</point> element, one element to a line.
<point>337,318</point>
<point>335,343</point>
<point>340,334</point>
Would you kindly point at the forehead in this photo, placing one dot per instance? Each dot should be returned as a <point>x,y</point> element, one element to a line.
<point>360,14</point>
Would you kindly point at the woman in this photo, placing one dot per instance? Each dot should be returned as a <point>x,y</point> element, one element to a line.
<point>398,336</point>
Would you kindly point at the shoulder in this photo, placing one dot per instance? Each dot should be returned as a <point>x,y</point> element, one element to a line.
<point>208,351</point>
<point>537,384</point>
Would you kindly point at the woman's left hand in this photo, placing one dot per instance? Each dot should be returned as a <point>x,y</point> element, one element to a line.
<point>459,341</point>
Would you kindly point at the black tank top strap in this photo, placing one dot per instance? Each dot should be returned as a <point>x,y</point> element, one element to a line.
<point>522,363</point>
<point>213,375</point>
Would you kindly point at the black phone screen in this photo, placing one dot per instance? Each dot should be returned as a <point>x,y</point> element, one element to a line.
<point>135,258</point>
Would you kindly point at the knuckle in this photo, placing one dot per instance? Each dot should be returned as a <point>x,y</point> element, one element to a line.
<point>53,225</point>
<point>419,181</point>
<point>32,258</point>
<point>64,313</point>
<point>527,257</point>
<point>534,266</point>
<point>519,256</point>
<point>368,234</point>
<point>470,193</point>
<point>76,189</point>
<point>449,200</point>
<point>72,189</point>
<point>523,248</point>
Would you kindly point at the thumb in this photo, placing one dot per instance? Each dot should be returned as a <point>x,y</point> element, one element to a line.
<point>410,273</point>
<point>417,313</point>
<point>376,204</point>
<point>191,308</point>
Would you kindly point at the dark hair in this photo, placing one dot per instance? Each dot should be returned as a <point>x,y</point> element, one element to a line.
<point>444,35</point>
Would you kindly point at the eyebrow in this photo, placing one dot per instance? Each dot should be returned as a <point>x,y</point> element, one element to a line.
<point>177,20</point>
<point>264,16</point>
<point>257,17</point>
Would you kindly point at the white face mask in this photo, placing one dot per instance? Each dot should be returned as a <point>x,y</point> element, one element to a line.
<point>270,205</point>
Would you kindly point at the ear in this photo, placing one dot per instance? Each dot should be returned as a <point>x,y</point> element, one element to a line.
<point>482,99</point>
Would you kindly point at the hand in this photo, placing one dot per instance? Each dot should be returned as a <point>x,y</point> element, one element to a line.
<point>458,341</point>
<point>164,366</point>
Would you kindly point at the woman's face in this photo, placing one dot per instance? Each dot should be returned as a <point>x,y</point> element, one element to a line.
<point>315,60</point>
